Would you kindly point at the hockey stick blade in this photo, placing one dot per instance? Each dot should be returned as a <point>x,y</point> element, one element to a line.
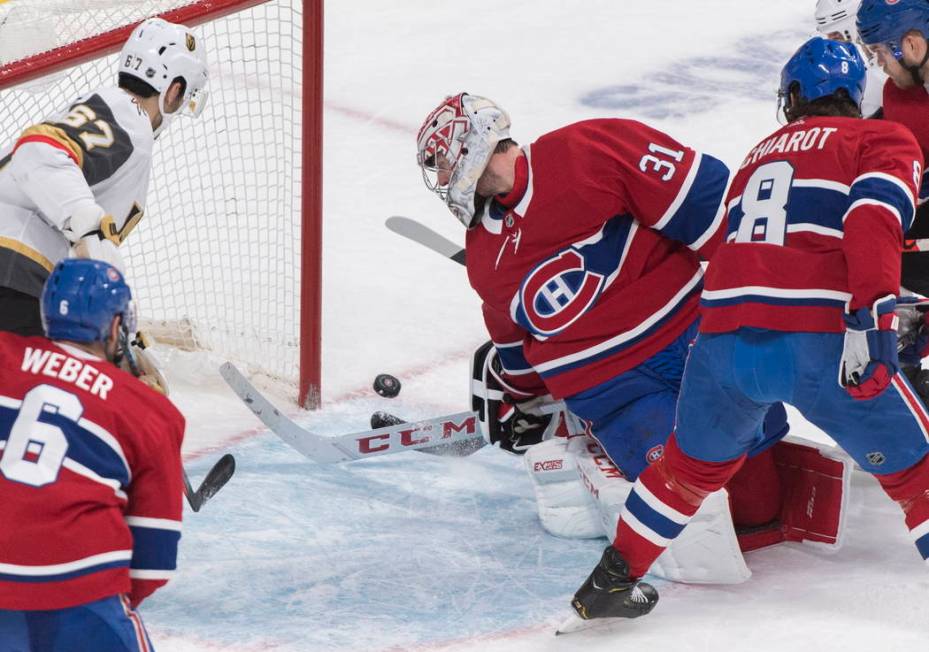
<point>461,448</point>
<point>355,446</point>
<point>192,498</point>
<point>216,478</point>
<point>425,236</point>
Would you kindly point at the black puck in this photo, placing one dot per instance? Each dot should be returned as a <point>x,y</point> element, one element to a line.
<point>386,385</point>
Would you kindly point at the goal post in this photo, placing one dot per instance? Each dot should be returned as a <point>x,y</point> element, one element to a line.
<point>228,257</point>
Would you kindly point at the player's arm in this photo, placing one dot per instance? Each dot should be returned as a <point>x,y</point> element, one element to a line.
<point>46,168</point>
<point>882,202</point>
<point>507,393</point>
<point>155,506</point>
<point>672,188</point>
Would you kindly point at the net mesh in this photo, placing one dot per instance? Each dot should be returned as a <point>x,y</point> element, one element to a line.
<point>214,264</point>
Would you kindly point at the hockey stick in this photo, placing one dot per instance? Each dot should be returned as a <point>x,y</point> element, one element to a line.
<point>425,236</point>
<point>345,448</point>
<point>216,478</point>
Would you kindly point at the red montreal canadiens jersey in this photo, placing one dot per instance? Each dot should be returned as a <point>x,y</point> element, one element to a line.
<point>816,216</point>
<point>90,479</point>
<point>591,264</point>
<point>910,107</point>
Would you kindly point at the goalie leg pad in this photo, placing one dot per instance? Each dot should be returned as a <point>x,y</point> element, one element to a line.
<point>566,508</point>
<point>816,482</point>
<point>706,552</point>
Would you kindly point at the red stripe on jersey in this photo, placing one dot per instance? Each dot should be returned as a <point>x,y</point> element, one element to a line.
<point>48,141</point>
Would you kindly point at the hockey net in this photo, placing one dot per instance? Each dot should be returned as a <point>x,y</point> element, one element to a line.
<point>215,264</point>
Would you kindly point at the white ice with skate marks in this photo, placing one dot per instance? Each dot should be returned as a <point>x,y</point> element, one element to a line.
<point>412,552</point>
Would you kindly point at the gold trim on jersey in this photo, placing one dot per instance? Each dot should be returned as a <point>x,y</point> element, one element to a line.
<point>27,251</point>
<point>59,136</point>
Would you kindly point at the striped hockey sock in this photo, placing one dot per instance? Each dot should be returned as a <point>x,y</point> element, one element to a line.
<point>662,502</point>
<point>910,488</point>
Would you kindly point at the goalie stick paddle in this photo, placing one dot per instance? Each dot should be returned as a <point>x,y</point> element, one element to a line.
<point>425,236</point>
<point>345,448</point>
<point>461,448</point>
<point>216,478</point>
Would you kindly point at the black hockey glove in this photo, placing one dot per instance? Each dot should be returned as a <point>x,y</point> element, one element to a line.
<point>509,424</point>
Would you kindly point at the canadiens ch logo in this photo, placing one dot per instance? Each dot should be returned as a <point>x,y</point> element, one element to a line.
<point>654,454</point>
<point>558,292</point>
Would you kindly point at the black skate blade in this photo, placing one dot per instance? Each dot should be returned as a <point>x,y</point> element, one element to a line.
<point>574,624</point>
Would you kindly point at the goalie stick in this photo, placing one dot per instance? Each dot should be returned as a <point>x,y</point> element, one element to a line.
<point>216,478</point>
<point>425,236</point>
<point>395,438</point>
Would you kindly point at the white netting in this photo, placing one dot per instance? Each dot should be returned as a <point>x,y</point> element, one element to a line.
<point>216,258</point>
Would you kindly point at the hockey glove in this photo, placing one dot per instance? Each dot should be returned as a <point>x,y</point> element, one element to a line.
<point>511,424</point>
<point>142,364</point>
<point>869,357</point>
<point>93,234</point>
<point>913,330</point>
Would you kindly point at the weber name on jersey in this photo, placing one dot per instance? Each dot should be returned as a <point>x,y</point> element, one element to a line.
<point>97,150</point>
<point>591,264</point>
<point>90,479</point>
<point>812,212</point>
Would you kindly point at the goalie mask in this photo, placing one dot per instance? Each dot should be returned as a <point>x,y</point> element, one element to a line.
<point>454,146</point>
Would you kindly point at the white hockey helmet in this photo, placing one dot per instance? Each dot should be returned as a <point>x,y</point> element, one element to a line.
<point>460,135</point>
<point>158,52</point>
<point>837,16</point>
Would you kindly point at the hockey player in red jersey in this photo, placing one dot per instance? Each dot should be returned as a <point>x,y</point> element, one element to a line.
<point>90,474</point>
<point>897,33</point>
<point>586,248</point>
<point>798,307</point>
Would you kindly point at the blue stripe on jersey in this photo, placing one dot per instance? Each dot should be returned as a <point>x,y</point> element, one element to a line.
<point>922,545</point>
<point>512,359</point>
<point>806,205</point>
<point>84,448</point>
<point>888,192</point>
<point>924,187</point>
<point>698,210</point>
<point>60,577</point>
<point>772,301</point>
<point>154,548</point>
<point>657,523</point>
<point>658,325</point>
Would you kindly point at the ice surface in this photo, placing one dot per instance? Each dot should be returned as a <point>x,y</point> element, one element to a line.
<point>417,553</point>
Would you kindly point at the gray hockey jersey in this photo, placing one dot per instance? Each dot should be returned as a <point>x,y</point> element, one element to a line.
<point>98,150</point>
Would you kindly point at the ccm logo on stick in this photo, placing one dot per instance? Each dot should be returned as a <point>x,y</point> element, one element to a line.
<point>414,436</point>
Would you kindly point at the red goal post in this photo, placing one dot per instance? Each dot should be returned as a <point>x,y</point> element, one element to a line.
<point>228,257</point>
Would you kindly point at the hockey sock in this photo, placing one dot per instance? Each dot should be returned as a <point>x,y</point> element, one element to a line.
<point>663,500</point>
<point>910,488</point>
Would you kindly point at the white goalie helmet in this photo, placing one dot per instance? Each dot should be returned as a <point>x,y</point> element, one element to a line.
<point>458,139</point>
<point>158,52</point>
<point>837,16</point>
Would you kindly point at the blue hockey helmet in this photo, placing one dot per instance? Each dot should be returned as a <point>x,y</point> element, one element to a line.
<point>820,68</point>
<point>886,22</point>
<point>80,299</point>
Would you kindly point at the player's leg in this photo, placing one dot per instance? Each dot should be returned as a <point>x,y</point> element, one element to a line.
<point>721,424</point>
<point>19,313</point>
<point>888,436</point>
<point>107,625</point>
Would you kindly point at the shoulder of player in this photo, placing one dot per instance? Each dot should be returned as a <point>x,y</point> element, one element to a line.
<point>126,110</point>
<point>594,127</point>
<point>886,129</point>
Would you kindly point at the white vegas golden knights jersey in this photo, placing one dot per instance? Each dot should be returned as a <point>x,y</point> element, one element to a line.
<point>97,150</point>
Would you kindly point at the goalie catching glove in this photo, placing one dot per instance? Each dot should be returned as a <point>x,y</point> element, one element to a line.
<point>142,364</point>
<point>93,234</point>
<point>512,419</point>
